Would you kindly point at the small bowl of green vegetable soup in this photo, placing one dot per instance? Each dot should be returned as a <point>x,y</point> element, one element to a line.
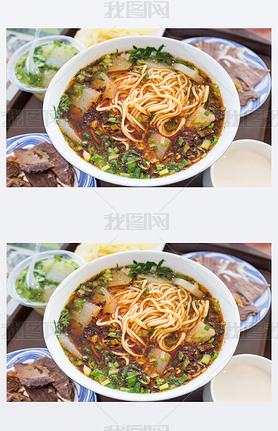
<point>50,269</point>
<point>50,54</point>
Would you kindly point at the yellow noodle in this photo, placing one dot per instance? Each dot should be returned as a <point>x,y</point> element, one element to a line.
<point>160,309</point>
<point>160,94</point>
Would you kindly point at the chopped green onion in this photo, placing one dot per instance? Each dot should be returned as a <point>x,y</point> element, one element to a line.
<point>163,172</point>
<point>206,144</point>
<point>105,382</point>
<point>180,356</point>
<point>206,359</point>
<point>162,387</point>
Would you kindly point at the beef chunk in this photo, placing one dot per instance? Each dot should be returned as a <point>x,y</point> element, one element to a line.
<point>32,160</point>
<point>42,179</point>
<point>13,383</point>
<point>17,182</point>
<point>246,96</point>
<point>61,167</point>
<point>61,383</point>
<point>17,397</point>
<point>12,168</point>
<point>247,310</point>
<point>45,394</point>
<point>31,375</point>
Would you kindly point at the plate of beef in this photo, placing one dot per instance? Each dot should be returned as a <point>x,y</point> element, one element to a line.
<point>33,376</point>
<point>247,70</point>
<point>33,161</point>
<point>247,285</point>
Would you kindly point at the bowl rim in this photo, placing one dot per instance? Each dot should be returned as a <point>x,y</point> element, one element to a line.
<point>24,48</point>
<point>242,143</point>
<point>228,132</point>
<point>242,356</point>
<point>22,265</point>
<point>62,361</point>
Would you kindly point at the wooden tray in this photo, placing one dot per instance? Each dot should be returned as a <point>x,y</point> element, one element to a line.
<point>24,328</point>
<point>24,112</point>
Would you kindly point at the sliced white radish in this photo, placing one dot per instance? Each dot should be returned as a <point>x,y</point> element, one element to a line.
<point>191,73</point>
<point>85,98</point>
<point>69,346</point>
<point>68,130</point>
<point>86,313</point>
<point>102,295</point>
<point>119,63</point>
<point>201,118</point>
<point>162,144</point>
<point>103,81</point>
<point>200,333</point>
<point>162,359</point>
<point>152,64</point>
<point>119,278</point>
<point>192,288</point>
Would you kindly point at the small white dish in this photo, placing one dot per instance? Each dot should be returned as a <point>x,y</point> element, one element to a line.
<point>26,262</point>
<point>247,163</point>
<point>25,48</point>
<point>247,378</point>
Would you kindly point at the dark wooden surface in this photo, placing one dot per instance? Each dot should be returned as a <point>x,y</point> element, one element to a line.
<point>25,326</point>
<point>24,112</point>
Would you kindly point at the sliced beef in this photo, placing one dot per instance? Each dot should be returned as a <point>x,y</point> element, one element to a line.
<point>42,179</point>
<point>13,384</point>
<point>32,160</point>
<point>17,397</point>
<point>244,75</point>
<point>12,168</point>
<point>32,375</point>
<point>40,395</point>
<point>246,96</point>
<point>247,310</point>
<point>17,182</point>
<point>62,169</point>
<point>61,382</point>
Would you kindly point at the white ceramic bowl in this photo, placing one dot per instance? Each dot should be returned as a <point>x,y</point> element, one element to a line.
<point>245,144</point>
<point>253,360</point>
<point>11,283</point>
<point>180,49</point>
<point>178,263</point>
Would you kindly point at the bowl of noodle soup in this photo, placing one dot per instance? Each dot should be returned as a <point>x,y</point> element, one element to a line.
<point>141,111</point>
<point>142,326</point>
